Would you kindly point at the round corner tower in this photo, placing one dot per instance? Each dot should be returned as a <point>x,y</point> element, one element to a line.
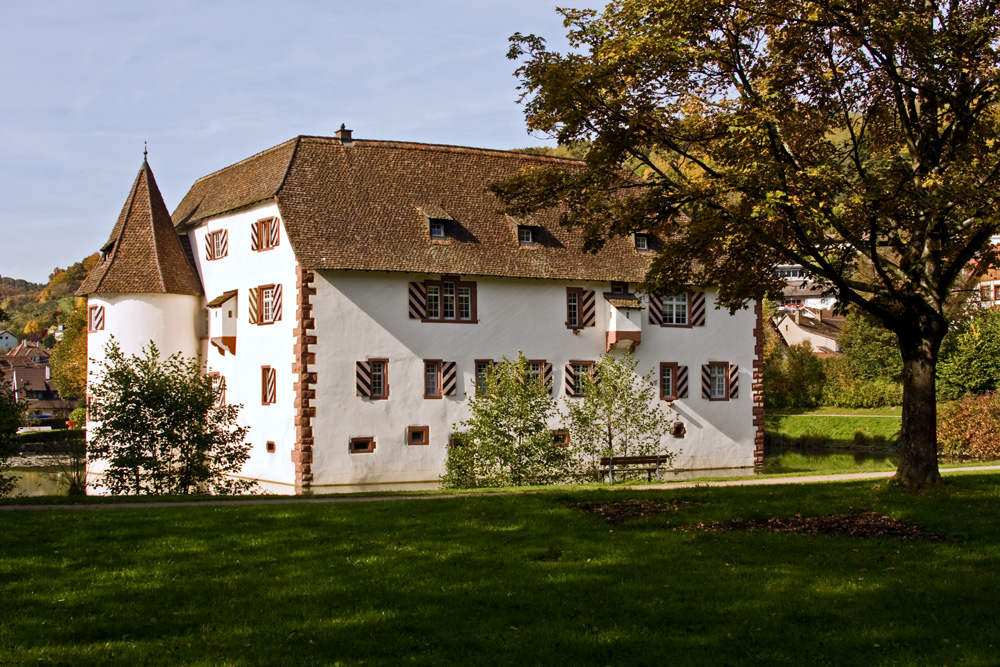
<point>144,288</point>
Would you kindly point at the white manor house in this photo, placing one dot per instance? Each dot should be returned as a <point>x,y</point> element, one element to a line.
<point>350,292</point>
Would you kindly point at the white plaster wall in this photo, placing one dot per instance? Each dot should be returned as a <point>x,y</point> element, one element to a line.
<point>256,345</point>
<point>364,315</point>
<point>170,320</point>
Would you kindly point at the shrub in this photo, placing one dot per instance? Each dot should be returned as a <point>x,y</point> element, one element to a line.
<point>54,436</point>
<point>970,427</point>
<point>158,426</point>
<point>507,441</point>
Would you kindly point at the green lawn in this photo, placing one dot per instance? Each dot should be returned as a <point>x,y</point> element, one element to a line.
<point>838,428</point>
<point>506,580</point>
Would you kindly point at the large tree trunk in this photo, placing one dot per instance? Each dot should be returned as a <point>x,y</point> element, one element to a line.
<point>918,467</point>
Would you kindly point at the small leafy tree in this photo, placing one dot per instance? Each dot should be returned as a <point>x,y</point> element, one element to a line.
<point>12,413</point>
<point>507,441</point>
<point>970,360</point>
<point>793,378</point>
<point>158,426</point>
<point>69,357</point>
<point>617,415</point>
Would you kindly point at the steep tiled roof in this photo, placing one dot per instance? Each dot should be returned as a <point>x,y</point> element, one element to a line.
<point>144,254</point>
<point>365,206</point>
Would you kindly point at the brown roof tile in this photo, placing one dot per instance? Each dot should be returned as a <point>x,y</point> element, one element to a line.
<point>144,254</point>
<point>365,207</point>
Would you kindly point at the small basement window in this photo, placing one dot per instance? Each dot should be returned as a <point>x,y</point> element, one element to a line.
<point>560,437</point>
<point>270,447</point>
<point>418,435</point>
<point>619,288</point>
<point>362,445</point>
<point>437,229</point>
<point>525,235</point>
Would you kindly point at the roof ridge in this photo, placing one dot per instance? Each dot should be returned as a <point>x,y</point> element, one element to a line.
<point>248,159</point>
<point>288,167</point>
<point>443,148</point>
<point>116,246</point>
<point>152,223</point>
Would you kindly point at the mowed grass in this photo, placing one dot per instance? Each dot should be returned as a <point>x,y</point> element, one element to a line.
<point>837,428</point>
<point>506,580</point>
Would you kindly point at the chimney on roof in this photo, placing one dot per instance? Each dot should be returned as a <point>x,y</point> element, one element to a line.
<point>344,135</point>
<point>798,315</point>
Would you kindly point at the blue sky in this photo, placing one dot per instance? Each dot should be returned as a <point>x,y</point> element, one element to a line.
<point>209,83</point>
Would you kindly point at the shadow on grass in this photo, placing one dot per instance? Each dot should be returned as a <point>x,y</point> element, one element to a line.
<point>504,580</point>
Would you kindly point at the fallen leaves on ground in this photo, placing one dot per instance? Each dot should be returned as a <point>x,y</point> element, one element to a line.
<point>619,511</point>
<point>865,525</point>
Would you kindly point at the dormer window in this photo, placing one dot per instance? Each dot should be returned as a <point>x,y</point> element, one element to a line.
<point>525,235</point>
<point>641,242</point>
<point>436,229</point>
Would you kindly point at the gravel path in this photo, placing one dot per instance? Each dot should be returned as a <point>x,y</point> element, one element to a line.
<point>291,500</point>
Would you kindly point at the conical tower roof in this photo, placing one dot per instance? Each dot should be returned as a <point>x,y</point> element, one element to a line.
<point>144,254</point>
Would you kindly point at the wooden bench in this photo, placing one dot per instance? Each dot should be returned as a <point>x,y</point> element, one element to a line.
<point>646,464</point>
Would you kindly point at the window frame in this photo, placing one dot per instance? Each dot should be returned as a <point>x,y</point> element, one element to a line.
<point>439,363</point>
<point>724,365</point>
<point>578,291</point>
<point>261,320</point>
<point>215,239</point>
<point>541,369</point>
<point>270,447</point>
<point>687,311</point>
<point>368,441</point>
<point>489,364</point>
<point>525,235</point>
<point>433,224</point>
<point>265,375</point>
<point>558,433</point>
<point>674,369</point>
<point>590,370</point>
<point>91,313</point>
<point>457,286</point>
<point>424,431</point>
<point>385,379</point>
<point>645,242</point>
<point>264,234</point>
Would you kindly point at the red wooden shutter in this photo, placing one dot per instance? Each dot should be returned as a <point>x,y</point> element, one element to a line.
<point>268,385</point>
<point>99,318</point>
<point>209,247</point>
<point>276,304</point>
<point>682,382</point>
<point>255,236</point>
<point>449,378</point>
<point>273,232</point>
<point>224,250</point>
<point>569,385</point>
<point>364,378</point>
<point>547,375</point>
<point>696,302</point>
<point>253,306</point>
<point>734,381</point>
<point>706,381</point>
<point>655,310</point>
<point>418,301</point>
<point>587,309</point>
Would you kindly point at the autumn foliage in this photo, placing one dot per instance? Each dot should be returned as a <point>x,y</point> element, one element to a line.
<point>970,427</point>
